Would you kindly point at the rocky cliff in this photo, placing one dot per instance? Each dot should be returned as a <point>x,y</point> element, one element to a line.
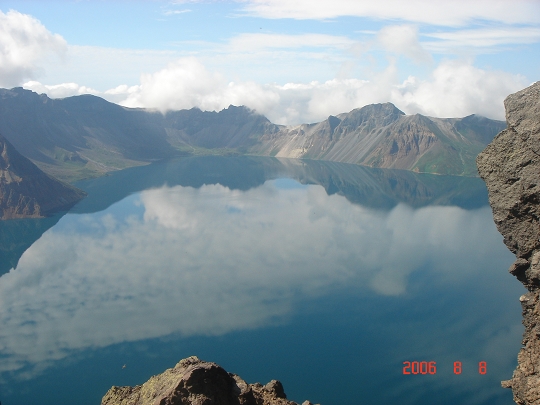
<point>196,382</point>
<point>510,166</point>
<point>27,192</point>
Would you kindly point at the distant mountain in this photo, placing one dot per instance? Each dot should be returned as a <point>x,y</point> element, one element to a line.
<point>85,136</point>
<point>25,191</point>
<point>382,136</point>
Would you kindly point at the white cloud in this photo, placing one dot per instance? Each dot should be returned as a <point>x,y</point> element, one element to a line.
<point>489,39</point>
<point>433,12</point>
<point>24,43</point>
<point>59,90</point>
<point>175,12</point>
<point>186,83</point>
<point>454,89</point>
<point>403,39</point>
<point>104,68</point>
<point>123,90</point>
<point>182,84</point>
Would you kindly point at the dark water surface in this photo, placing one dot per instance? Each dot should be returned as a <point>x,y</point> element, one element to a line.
<point>324,276</point>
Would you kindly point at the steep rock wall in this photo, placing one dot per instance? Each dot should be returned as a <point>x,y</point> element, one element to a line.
<point>510,166</point>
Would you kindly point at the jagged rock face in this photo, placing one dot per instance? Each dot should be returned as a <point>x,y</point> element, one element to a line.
<point>510,166</point>
<point>196,382</point>
<point>25,191</point>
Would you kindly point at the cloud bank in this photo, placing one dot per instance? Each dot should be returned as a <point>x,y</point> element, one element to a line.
<point>24,43</point>
<point>454,89</point>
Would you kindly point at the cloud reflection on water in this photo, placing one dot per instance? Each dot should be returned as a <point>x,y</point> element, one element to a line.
<point>210,260</point>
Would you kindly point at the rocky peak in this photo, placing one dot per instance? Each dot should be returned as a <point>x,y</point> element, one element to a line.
<point>196,382</point>
<point>238,113</point>
<point>374,115</point>
<point>479,128</point>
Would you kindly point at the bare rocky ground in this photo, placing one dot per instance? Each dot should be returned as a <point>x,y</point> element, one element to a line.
<point>196,382</point>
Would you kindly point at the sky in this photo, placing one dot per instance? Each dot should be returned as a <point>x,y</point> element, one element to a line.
<point>292,61</point>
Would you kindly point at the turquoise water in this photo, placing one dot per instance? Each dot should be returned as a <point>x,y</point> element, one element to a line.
<point>327,277</point>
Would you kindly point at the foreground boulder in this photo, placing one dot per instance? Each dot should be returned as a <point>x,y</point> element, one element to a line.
<point>510,166</point>
<point>196,382</point>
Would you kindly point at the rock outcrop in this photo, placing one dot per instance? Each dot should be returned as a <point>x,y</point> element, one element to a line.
<point>196,382</point>
<point>510,166</point>
<point>27,192</point>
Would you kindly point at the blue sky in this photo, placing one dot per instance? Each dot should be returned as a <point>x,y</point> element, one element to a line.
<point>291,61</point>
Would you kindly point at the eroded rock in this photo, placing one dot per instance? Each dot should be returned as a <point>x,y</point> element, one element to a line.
<point>510,166</point>
<point>196,382</point>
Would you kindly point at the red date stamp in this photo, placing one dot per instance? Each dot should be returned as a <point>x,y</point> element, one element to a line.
<point>430,367</point>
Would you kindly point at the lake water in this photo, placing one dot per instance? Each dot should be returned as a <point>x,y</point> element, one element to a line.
<point>325,276</point>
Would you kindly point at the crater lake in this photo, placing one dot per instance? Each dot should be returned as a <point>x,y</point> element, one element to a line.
<point>335,279</point>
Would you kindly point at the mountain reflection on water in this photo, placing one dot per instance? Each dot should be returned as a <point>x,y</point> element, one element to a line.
<point>211,248</point>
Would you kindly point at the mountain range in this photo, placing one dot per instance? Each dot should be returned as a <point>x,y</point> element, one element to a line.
<point>86,136</point>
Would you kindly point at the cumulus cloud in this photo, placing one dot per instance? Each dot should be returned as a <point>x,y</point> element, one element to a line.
<point>403,39</point>
<point>454,89</point>
<point>436,12</point>
<point>24,43</point>
<point>221,260</point>
<point>187,83</point>
<point>457,89</point>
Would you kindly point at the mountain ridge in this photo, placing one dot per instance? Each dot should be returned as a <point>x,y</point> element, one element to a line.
<point>86,136</point>
<point>380,135</point>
